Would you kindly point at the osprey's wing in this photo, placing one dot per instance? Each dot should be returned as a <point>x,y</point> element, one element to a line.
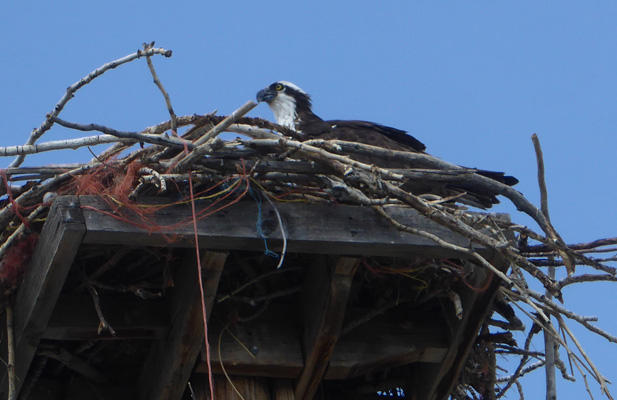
<point>373,134</point>
<point>396,139</point>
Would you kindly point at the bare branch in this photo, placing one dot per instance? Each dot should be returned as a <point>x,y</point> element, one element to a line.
<point>70,93</point>
<point>136,136</point>
<point>103,325</point>
<point>549,343</point>
<point>203,143</point>
<point>11,351</point>
<point>11,151</point>
<point>157,82</point>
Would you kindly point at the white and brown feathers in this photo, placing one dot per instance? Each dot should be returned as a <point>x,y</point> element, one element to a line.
<point>292,108</point>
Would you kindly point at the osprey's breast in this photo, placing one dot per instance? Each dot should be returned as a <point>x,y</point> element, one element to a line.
<point>284,109</point>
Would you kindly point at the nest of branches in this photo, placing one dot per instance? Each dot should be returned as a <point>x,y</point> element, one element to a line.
<point>186,159</point>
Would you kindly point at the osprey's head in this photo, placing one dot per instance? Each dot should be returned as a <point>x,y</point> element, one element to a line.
<point>288,102</point>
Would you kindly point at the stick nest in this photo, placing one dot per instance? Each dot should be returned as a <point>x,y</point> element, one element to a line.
<point>184,158</point>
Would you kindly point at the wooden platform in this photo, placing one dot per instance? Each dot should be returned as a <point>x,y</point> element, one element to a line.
<point>297,342</point>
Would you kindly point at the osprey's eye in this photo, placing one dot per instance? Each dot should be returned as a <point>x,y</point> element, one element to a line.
<point>279,87</point>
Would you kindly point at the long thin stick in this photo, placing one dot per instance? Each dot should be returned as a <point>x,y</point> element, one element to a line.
<point>346,163</point>
<point>11,151</point>
<point>252,281</point>
<point>136,136</point>
<point>569,263</point>
<point>549,342</point>
<point>470,252</point>
<point>70,93</point>
<point>11,350</point>
<point>598,376</point>
<point>203,142</point>
<point>157,82</point>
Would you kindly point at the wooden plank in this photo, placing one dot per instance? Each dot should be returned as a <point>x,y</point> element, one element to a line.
<point>277,351</point>
<point>76,363</point>
<point>324,301</point>
<point>74,318</point>
<point>311,228</point>
<point>250,388</point>
<point>283,389</point>
<point>84,389</point>
<point>78,388</point>
<point>169,365</point>
<point>378,344</point>
<point>381,344</point>
<point>43,280</point>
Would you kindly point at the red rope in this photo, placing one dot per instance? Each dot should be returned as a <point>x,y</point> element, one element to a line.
<point>119,213</point>
<point>201,286</point>
<point>461,273</point>
<point>16,206</point>
<point>199,278</point>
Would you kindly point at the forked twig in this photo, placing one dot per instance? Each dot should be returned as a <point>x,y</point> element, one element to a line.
<point>157,82</point>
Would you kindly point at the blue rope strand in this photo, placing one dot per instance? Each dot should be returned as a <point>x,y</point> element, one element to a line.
<point>257,198</point>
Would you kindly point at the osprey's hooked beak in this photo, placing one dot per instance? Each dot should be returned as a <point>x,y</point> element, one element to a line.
<point>266,95</point>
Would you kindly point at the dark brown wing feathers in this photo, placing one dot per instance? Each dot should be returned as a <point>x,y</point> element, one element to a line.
<point>396,139</point>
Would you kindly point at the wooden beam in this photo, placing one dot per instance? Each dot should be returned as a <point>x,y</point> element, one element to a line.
<point>432,381</point>
<point>283,389</point>
<point>85,389</point>
<point>375,345</point>
<point>277,350</point>
<point>381,344</point>
<point>76,363</point>
<point>312,228</point>
<point>324,301</point>
<point>250,388</point>
<point>74,318</point>
<point>169,365</point>
<point>43,281</point>
<point>481,309</point>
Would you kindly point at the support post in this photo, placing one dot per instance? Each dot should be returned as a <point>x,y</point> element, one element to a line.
<point>324,301</point>
<point>169,365</point>
<point>43,280</point>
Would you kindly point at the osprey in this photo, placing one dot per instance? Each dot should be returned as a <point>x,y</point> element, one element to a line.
<point>292,108</point>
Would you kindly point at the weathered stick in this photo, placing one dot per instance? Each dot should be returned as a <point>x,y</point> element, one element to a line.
<point>597,375</point>
<point>445,219</point>
<point>10,340</point>
<point>36,193</point>
<point>202,144</point>
<point>549,342</point>
<point>11,151</point>
<point>157,82</point>
<point>103,324</point>
<point>480,181</point>
<point>136,136</point>
<point>70,93</point>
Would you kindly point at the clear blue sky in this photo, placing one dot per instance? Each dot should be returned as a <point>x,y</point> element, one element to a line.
<point>471,80</point>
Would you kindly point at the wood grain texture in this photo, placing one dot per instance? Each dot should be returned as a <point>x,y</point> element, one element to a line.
<point>376,345</point>
<point>43,280</point>
<point>277,351</point>
<point>381,344</point>
<point>310,228</point>
<point>250,388</point>
<point>283,389</point>
<point>324,301</point>
<point>169,365</point>
<point>436,381</point>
